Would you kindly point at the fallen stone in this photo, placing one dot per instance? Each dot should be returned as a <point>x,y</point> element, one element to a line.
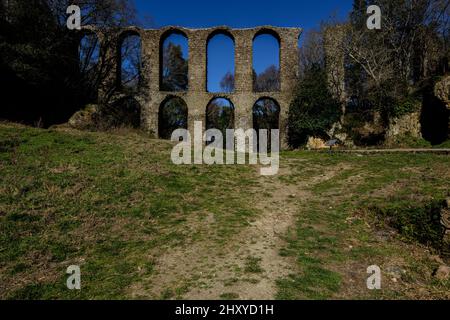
<point>84,119</point>
<point>316,144</point>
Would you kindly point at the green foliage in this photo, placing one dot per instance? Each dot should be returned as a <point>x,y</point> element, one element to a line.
<point>253,265</point>
<point>445,144</point>
<point>220,116</point>
<point>115,203</point>
<point>266,114</point>
<point>175,69</point>
<point>40,56</point>
<point>173,115</point>
<point>125,112</point>
<point>404,107</point>
<point>267,81</point>
<point>420,223</point>
<point>313,110</point>
<point>229,296</point>
<point>407,141</point>
<point>316,283</point>
<point>107,200</point>
<point>410,32</point>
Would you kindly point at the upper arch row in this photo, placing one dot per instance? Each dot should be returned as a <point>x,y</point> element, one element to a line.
<point>277,32</point>
<point>162,33</point>
<point>159,36</point>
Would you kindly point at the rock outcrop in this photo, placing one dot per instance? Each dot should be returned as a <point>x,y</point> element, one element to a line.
<point>406,125</point>
<point>86,118</point>
<point>316,144</point>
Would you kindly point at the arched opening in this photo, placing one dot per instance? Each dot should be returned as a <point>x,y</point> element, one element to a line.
<point>125,112</point>
<point>220,115</point>
<point>266,62</point>
<point>173,115</point>
<point>220,62</point>
<point>174,53</point>
<point>130,55</point>
<point>266,115</point>
<point>434,119</point>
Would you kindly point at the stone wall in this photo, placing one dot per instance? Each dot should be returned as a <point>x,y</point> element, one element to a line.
<point>406,125</point>
<point>197,97</point>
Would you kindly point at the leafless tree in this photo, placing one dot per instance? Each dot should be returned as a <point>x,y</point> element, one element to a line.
<point>311,53</point>
<point>227,82</point>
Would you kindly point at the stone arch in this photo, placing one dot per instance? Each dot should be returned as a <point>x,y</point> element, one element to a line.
<point>183,83</point>
<point>268,79</point>
<point>220,114</point>
<point>229,74</point>
<point>125,111</point>
<point>172,115</point>
<point>268,30</point>
<point>266,115</point>
<point>129,62</point>
<point>220,30</point>
<point>220,103</point>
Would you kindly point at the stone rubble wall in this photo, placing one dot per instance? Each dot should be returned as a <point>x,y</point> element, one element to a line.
<point>197,97</point>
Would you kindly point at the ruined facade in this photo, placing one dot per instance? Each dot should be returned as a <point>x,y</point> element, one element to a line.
<point>197,97</point>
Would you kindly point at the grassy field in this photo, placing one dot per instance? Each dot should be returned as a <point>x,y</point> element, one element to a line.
<point>142,228</point>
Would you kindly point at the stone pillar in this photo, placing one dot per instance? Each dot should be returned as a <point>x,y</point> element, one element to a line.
<point>243,79</point>
<point>289,71</point>
<point>289,60</point>
<point>243,60</point>
<point>150,73</point>
<point>109,62</point>
<point>335,61</point>
<point>197,78</point>
<point>197,61</point>
<point>335,69</point>
<point>283,124</point>
<point>243,112</point>
<point>197,97</point>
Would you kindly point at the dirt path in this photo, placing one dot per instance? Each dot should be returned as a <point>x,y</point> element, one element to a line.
<point>249,265</point>
<point>376,151</point>
<point>261,242</point>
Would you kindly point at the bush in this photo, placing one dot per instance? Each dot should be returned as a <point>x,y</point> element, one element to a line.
<point>406,106</point>
<point>421,223</point>
<point>407,141</point>
<point>313,110</point>
<point>125,112</point>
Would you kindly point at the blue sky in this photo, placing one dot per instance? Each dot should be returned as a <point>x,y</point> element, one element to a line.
<point>240,14</point>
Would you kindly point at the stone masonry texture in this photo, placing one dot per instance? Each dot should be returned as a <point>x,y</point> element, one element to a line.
<point>197,97</point>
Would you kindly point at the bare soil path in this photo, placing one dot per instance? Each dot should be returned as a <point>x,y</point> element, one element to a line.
<point>250,264</point>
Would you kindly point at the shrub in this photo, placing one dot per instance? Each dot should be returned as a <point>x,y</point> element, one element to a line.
<point>421,223</point>
<point>405,106</point>
<point>313,110</point>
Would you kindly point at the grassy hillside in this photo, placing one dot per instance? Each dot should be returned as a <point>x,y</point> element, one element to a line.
<point>141,227</point>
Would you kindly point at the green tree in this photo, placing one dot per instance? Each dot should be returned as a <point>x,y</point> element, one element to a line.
<point>175,69</point>
<point>267,81</point>
<point>39,56</point>
<point>172,115</point>
<point>313,110</point>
